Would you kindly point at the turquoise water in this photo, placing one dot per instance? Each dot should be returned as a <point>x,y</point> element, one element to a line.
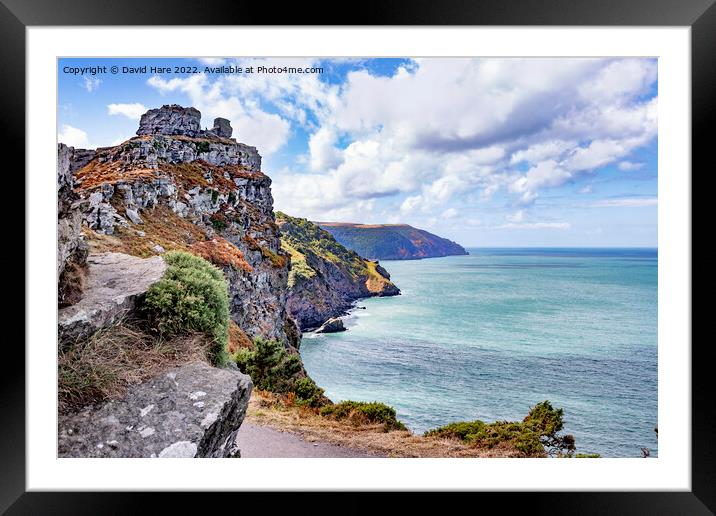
<point>488,335</point>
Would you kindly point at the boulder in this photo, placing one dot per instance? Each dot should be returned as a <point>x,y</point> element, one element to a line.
<point>222,128</point>
<point>114,284</point>
<point>191,411</point>
<point>171,120</point>
<point>333,325</point>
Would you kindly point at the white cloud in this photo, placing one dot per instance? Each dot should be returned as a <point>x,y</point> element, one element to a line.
<point>629,166</point>
<point>132,111</point>
<point>536,225</point>
<point>436,130</point>
<point>73,137</point>
<point>252,125</point>
<point>212,61</point>
<point>450,213</point>
<point>91,83</point>
<point>585,189</point>
<point>517,216</point>
<point>627,202</point>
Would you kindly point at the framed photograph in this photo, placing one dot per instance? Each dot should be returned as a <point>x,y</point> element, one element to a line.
<point>444,249</point>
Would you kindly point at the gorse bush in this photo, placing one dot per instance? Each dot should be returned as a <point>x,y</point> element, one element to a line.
<point>308,393</point>
<point>535,436</point>
<point>191,296</point>
<point>362,412</point>
<point>271,368</point>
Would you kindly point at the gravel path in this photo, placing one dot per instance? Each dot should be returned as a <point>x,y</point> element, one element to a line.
<point>257,441</point>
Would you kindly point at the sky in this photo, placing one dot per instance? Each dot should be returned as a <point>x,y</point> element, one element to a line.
<point>489,152</point>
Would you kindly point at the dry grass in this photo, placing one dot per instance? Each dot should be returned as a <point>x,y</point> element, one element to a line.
<point>280,412</point>
<point>237,338</point>
<point>220,251</point>
<point>71,284</point>
<point>103,366</point>
<point>161,226</point>
<point>95,174</point>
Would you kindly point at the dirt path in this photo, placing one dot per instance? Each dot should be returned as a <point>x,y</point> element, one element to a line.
<point>257,441</point>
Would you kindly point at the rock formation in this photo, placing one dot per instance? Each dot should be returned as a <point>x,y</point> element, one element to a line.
<point>114,285</point>
<point>333,325</point>
<point>191,411</point>
<point>326,278</point>
<point>222,128</point>
<point>175,186</point>
<point>71,247</point>
<point>171,120</point>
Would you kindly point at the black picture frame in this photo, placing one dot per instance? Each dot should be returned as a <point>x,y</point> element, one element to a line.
<point>700,15</point>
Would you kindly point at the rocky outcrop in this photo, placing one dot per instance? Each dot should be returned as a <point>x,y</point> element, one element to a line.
<point>171,120</point>
<point>333,325</point>
<point>174,171</point>
<point>114,285</point>
<point>222,128</point>
<point>71,247</point>
<point>391,241</point>
<point>191,411</point>
<point>326,278</point>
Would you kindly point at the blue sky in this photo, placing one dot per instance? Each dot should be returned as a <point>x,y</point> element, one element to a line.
<point>487,152</point>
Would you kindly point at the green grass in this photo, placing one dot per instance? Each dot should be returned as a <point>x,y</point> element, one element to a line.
<point>191,296</point>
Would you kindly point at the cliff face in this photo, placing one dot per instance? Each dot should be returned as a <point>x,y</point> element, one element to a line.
<point>326,277</point>
<point>175,186</point>
<point>391,241</point>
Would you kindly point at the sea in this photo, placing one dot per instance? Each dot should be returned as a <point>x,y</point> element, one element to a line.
<point>488,335</point>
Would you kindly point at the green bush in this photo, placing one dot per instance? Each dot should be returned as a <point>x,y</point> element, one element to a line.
<point>308,393</point>
<point>374,412</point>
<point>191,296</point>
<point>535,436</point>
<point>269,366</point>
<point>459,430</point>
<point>202,147</point>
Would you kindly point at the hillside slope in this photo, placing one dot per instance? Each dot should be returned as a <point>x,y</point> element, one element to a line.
<point>325,277</point>
<point>391,241</point>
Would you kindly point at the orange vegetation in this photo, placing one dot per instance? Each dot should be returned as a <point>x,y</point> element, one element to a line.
<point>95,174</point>
<point>161,226</point>
<point>220,251</point>
<point>237,338</point>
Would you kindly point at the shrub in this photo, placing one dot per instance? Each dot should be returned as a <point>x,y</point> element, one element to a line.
<point>372,412</point>
<point>535,436</point>
<point>202,147</point>
<point>457,430</point>
<point>308,393</point>
<point>218,221</point>
<point>268,365</point>
<point>191,296</point>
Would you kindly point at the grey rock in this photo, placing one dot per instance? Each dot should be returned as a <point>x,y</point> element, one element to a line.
<point>70,244</point>
<point>191,411</point>
<point>133,215</point>
<point>171,120</point>
<point>222,128</point>
<point>158,248</point>
<point>115,282</point>
<point>333,325</point>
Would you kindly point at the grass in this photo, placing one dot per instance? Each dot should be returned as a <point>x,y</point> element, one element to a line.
<point>161,226</point>
<point>301,238</point>
<point>104,365</point>
<point>278,411</point>
<point>220,251</point>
